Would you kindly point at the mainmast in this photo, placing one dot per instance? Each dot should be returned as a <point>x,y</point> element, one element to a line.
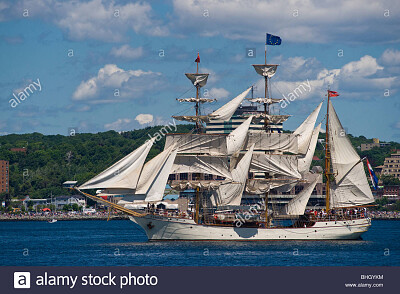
<point>267,71</point>
<point>198,129</point>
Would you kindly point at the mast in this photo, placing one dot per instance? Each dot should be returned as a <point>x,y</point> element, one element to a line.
<point>266,94</point>
<point>327,158</point>
<point>197,94</point>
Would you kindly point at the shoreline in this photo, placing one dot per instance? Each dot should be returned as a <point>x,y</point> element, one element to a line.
<point>64,218</point>
<point>112,217</point>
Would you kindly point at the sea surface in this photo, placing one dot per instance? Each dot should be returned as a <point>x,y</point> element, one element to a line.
<point>123,243</point>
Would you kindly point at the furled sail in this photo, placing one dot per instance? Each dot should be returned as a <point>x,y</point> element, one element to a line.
<point>351,186</point>
<point>208,185</point>
<point>265,100</point>
<point>214,165</point>
<point>305,161</point>
<point>226,111</point>
<point>298,204</point>
<point>155,174</point>
<point>275,165</point>
<point>124,174</point>
<point>236,139</point>
<point>231,194</point>
<point>305,130</point>
<point>193,99</point>
<point>284,142</point>
<point>191,118</point>
<point>198,79</point>
<point>257,187</point>
<point>198,143</point>
<point>266,70</point>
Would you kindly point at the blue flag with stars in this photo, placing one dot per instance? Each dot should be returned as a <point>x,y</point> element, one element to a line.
<point>273,40</point>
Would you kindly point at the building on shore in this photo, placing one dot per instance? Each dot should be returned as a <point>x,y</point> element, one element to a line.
<point>60,201</point>
<point>391,192</point>
<point>4,176</point>
<point>375,143</point>
<point>391,166</point>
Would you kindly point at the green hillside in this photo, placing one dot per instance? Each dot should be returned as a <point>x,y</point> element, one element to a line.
<point>51,160</point>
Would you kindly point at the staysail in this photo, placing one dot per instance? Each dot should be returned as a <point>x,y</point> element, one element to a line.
<point>226,111</point>
<point>351,186</point>
<point>304,162</point>
<point>154,176</point>
<point>298,204</point>
<point>236,139</point>
<point>305,130</point>
<point>124,174</point>
<point>231,194</point>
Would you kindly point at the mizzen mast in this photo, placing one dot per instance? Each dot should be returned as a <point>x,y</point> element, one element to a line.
<point>328,158</point>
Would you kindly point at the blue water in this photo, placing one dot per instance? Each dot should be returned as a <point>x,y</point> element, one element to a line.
<point>101,243</point>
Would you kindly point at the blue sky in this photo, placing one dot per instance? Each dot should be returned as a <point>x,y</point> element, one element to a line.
<point>142,50</point>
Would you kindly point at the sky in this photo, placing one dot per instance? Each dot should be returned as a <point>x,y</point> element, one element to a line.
<point>119,65</point>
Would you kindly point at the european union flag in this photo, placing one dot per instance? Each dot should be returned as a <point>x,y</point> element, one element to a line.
<point>273,40</point>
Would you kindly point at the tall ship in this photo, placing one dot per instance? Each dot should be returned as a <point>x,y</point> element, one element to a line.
<point>252,160</point>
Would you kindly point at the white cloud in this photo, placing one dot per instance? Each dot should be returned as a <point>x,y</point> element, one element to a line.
<point>93,19</point>
<point>119,125</point>
<point>129,83</point>
<point>127,52</point>
<point>358,79</point>
<point>293,20</point>
<point>391,57</point>
<point>218,93</point>
<point>364,67</point>
<point>144,118</point>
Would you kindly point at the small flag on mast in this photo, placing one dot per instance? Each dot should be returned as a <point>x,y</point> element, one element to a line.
<point>372,175</point>
<point>198,58</point>
<point>333,93</point>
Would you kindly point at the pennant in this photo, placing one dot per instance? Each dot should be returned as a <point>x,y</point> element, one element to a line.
<point>372,175</point>
<point>198,58</point>
<point>333,93</point>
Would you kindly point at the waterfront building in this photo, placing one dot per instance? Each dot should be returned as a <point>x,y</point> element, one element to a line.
<point>60,201</point>
<point>4,176</point>
<point>375,143</point>
<point>392,165</point>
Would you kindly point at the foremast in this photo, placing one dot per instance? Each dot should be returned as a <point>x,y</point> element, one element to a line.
<point>198,80</point>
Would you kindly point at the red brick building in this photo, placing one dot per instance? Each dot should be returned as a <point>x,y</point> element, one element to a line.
<point>4,176</point>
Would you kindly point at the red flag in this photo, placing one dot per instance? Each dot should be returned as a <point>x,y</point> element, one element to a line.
<point>333,93</point>
<point>198,58</point>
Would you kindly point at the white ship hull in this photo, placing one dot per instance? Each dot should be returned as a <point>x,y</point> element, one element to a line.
<point>186,229</point>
